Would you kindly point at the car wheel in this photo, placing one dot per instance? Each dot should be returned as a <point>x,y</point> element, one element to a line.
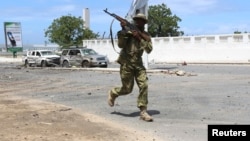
<point>43,64</point>
<point>105,66</point>
<point>26,64</point>
<point>65,64</point>
<point>85,64</point>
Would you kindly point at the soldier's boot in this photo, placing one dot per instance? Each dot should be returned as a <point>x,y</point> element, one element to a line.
<point>111,99</point>
<point>144,115</point>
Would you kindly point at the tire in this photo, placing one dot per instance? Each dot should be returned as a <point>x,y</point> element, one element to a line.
<point>43,64</point>
<point>65,64</point>
<point>26,64</point>
<point>105,66</point>
<point>85,64</point>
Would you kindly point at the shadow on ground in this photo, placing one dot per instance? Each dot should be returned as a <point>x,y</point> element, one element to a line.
<point>165,68</point>
<point>135,114</point>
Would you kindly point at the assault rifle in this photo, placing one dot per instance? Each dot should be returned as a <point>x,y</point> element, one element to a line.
<point>129,27</point>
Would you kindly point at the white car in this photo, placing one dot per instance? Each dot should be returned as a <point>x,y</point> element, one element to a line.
<point>41,58</point>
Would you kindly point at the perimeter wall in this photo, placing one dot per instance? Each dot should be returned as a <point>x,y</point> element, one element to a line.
<point>231,48</point>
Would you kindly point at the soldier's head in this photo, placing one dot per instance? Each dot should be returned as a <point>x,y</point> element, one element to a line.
<point>140,19</point>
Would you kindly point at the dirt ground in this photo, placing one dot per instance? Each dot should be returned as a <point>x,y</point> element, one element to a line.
<point>33,103</point>
<point>23,119</point>
<point>31,120</point>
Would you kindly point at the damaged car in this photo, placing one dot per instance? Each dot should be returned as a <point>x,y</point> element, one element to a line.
<point>43,58</point>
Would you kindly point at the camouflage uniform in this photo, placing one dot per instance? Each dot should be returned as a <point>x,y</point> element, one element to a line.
<point>131,68</point>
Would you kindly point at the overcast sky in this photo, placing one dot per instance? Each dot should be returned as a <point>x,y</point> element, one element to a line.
<point>199,17</point>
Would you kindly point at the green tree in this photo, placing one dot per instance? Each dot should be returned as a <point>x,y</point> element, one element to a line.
<point>68,31</point>
<point>237,32</point>
<point>162,23</point>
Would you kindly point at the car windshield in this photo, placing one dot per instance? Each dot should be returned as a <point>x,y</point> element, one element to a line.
<point>88,52</point>
<point>46,53</point>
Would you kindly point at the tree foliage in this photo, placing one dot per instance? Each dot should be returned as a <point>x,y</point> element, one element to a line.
<point>68,31</point>
<point>162,23</point>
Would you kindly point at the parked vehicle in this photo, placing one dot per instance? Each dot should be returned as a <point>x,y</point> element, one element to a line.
<point>83,57</point>
<point>41,58</point>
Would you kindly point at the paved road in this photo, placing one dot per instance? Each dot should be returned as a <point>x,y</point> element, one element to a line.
<point>182,106</point>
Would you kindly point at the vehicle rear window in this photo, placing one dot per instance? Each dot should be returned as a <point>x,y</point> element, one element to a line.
<point>65,52</point>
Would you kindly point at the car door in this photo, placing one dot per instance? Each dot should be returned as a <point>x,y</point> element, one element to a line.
<point>74,57</point>
<point>78,58</point>
<point>38,58</point>
<point>31,57</point>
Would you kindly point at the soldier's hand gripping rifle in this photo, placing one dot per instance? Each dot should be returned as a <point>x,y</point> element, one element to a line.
<point>128,26</point>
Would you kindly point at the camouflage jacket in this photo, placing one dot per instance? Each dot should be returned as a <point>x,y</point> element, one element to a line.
<point>131,48</point>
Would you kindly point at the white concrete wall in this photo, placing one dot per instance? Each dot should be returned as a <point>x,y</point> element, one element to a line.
<point>233,48</point>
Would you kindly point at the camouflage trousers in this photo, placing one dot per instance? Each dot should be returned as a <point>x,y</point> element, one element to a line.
<point>129,74</point>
